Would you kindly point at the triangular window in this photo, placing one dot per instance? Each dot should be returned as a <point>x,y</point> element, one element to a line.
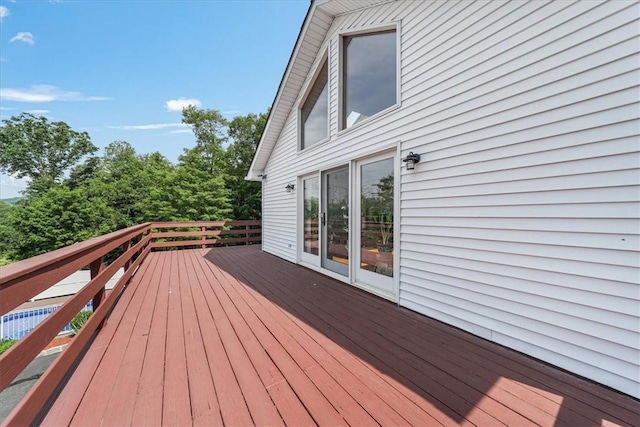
<point>315,111</point>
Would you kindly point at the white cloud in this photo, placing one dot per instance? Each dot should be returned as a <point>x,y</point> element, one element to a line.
<point>44,93</point>
<point>180,103</point>
<point>149,127</point>
<point>25,37</point>
<point>37,112</point>
<point>11,186</point>
<point>4,12</point>
<point>6,108</point>
<point>181,131</point>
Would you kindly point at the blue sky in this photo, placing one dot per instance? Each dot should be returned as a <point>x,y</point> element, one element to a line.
<point>122,70</point>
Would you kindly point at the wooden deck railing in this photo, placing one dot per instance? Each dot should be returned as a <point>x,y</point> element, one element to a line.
<point>21,281</point>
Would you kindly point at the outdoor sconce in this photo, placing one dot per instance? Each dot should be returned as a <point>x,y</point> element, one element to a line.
<point>411,160</point>
<point>290,188</point>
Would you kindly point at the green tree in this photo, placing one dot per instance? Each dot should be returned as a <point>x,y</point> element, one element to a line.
<point>59,217</point>
<point>209,129</point>
<point>116,182</point>
<point>246,196</point>
<point>5,233</point>
<point>43,151</point>
<point>136,186</point>
<point>157,177</point>
<point>196,192</point>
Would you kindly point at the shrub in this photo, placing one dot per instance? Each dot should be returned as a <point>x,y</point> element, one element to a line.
<point>6,343</point>
<point>79,320</point>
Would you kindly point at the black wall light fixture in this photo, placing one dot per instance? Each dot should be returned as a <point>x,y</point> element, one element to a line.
<point>411,160</point>
<point>290,187</point>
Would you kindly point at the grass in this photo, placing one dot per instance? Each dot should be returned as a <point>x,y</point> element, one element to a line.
<point>6,343</point>
<point>79,320</point>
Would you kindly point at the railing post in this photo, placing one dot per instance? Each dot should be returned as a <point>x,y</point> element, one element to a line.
<point>96,267</point>
<point>204,237</point>
<point>247,229</point>
<point>125,248</point>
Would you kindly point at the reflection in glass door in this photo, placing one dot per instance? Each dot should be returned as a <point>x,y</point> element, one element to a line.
<point>376,184</point>
<point>335,220</point>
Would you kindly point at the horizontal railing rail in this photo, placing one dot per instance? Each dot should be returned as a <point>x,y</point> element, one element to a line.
<point>211,233</point>
<point>24,279</point>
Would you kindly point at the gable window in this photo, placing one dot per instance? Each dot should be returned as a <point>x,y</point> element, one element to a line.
<point>315,111</point>
<point>369,75</point>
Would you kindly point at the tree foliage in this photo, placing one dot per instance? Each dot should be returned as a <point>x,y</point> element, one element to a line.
<point>33,147</point>
<point>59,217</point>
<point>245,131</point>
<point>75,195</point>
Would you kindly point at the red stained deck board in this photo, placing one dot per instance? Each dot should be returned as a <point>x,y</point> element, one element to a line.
<point>119,410</point>
<point>235,336</point>
<point>316,403</point>
<point>369,377</point>
<point>65,406</point>
<point>149,386</point>
<point>525,402</point>
<point>100,389</point>
<point>204,401</point>
<point>349,408</point>
<point>232,403</point>
<point>416,368</point>
<point>572,390</point>
<point>376,407</point>
<point>351,329</point>
<point>175,404</point>
<point>255,395</point>
<point>575,413</point>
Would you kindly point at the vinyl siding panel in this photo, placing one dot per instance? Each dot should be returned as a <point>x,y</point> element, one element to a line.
<point>521,222</point>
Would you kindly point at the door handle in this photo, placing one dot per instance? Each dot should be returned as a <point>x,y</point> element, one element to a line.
<point>324,219</point>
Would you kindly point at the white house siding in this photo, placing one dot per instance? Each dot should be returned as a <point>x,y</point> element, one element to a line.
<point>521,223</point>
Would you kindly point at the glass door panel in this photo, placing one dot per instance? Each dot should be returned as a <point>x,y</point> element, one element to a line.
<point>375,184</point>
<point>311,211</point>
<point>335,220</point>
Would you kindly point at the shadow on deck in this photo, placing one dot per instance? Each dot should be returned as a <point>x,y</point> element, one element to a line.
<point>238,337</point>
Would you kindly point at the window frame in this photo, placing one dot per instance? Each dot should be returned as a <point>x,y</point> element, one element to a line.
<point>324,59</point>
<point>395,26</point>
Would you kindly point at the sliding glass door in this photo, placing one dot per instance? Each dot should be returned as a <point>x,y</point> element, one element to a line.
<point>365,254</point>
<point>335,220</point>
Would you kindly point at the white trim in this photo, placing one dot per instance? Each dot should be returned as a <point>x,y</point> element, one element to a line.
<point>346,281</point>
<point>396,224</point>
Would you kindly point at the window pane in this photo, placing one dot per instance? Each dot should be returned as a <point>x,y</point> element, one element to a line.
<point>337,204</point>
<point>369,75</point>
<point>311,215</point>
<point>376,206</point>
<point>315,111</point>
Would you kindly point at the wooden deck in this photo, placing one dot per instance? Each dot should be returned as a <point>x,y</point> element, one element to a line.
<point>237,337</point>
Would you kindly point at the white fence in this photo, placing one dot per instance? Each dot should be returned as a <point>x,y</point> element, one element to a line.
<point>20,322</point>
